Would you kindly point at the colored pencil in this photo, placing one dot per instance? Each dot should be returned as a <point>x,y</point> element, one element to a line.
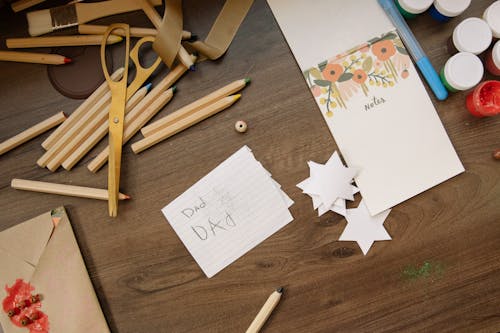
<point>91,29</point>
<point>23,4</point>
<point>90,136</point>
<point>225,91</point>
<point>34,58</point>
<point>81,110</point>
<point>32,132</point>
<point>133,122</point>
<point>62,189</point>
<point>265,311</point>
<point>56,41</point>
<point>183,123</point>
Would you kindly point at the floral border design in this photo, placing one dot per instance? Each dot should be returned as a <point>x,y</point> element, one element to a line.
<point>379,62</point>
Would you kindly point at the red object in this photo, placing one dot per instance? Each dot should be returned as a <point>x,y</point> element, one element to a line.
<point>484,100</point>
<point>23,308</point>
<point>490,64</point>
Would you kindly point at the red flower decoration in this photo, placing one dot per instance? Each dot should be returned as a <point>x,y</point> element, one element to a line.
<point>383,50</point>
<point>359,76</point>
<point>23,308</point>
<point>332,72</point>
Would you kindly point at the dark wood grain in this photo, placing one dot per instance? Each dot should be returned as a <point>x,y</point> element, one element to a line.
<point>145,279</point>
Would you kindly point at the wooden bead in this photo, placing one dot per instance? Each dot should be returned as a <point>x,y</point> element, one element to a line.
<point>496,154</point>
<point>240,126</point>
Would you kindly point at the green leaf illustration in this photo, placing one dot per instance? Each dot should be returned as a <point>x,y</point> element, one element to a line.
<point>367,64</point>
<point>345,77</point>
<point>322,83</point>
<point>315,73</point>
<point>390,35</point>
<point>322,65</point>
<point>401,50</point>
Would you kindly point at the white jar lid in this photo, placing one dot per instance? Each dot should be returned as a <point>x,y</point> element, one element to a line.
<point>472,35</point>
<point>415,6</point>
<point>495,54</point>
<point>463,71</point>
<point>451,8</point>
<point>492,16</point>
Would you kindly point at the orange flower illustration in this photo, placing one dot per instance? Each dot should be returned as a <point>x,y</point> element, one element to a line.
<point>383,50</point>
<point>332,72</point>
<point>359,76</point>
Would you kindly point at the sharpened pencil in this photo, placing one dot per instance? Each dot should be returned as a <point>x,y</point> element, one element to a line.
<point>225,91</point>
<point>62,189</point>
<point>56,41</point>
<point>265,311</point>
<point>34,58</point>
<point>183,123</point>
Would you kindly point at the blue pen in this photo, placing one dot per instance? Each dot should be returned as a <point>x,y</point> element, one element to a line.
<point>416,52</point>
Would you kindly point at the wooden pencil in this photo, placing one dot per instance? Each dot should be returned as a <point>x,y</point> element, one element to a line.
<point>62,189</point>
<point>34,58</point>
<point>92,29</point>
<point>183,123</point>
<point>73,131</point>
<point>81,110</point>
<point>133,122</point>
<point>155,18</point>
<point>56,41</point>
<point>225,91</point>
<point>265,311</point>
<point>32,132</point>
<point>19,5</point>
<point>78,150</point>
<point>85,131</point>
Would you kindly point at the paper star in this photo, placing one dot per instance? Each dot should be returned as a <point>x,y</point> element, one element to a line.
<point>329,185</point>
<point>333,182</point>
<point>363,228</point>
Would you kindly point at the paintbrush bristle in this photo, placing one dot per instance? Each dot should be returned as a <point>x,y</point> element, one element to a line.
<point>39,22</point>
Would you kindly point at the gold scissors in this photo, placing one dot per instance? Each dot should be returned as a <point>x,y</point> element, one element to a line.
<point>120,94</point>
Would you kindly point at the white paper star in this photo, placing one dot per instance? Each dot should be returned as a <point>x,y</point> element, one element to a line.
<point>329,185</point>
<point>363,228</point>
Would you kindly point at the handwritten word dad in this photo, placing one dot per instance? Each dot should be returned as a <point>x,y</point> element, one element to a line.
<point>212,226</point>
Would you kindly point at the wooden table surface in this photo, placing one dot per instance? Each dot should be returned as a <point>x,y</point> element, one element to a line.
<point>440,273</point>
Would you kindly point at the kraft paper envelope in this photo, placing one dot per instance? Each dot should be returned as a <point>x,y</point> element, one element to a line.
<point>49,259</point>
<point>370,96</point>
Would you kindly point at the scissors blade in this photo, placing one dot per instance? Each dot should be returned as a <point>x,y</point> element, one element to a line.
<point>116,119</point>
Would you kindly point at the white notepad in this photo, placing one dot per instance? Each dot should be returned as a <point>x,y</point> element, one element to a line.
<point>389,130</point>
<point>228,212</point>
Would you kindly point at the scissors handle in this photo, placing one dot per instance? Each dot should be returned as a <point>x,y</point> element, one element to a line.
<point>116,117</point>
<point>141,73</point>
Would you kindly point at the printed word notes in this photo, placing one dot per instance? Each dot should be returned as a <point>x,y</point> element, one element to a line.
<point>229,211</point>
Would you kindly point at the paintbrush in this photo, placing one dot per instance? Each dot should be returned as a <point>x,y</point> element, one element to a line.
<point>44,21</point>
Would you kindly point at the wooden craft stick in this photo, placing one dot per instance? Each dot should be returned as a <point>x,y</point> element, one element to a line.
<point>91,29</point>
<point>80,111</point>
<point>62,189</point>
<point>77,152</point>
<point>55,41</point>
<point>73,131</point>
<point>23,4</point>
<point>34,58</point>
<point>155,18</point>
<point>132,125</point>
<point>32,132</point>
<point>265,311</point>
<point>184,123</point>
<point>225,91</point>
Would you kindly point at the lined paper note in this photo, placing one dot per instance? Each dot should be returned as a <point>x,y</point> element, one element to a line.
<point>229,211</point>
